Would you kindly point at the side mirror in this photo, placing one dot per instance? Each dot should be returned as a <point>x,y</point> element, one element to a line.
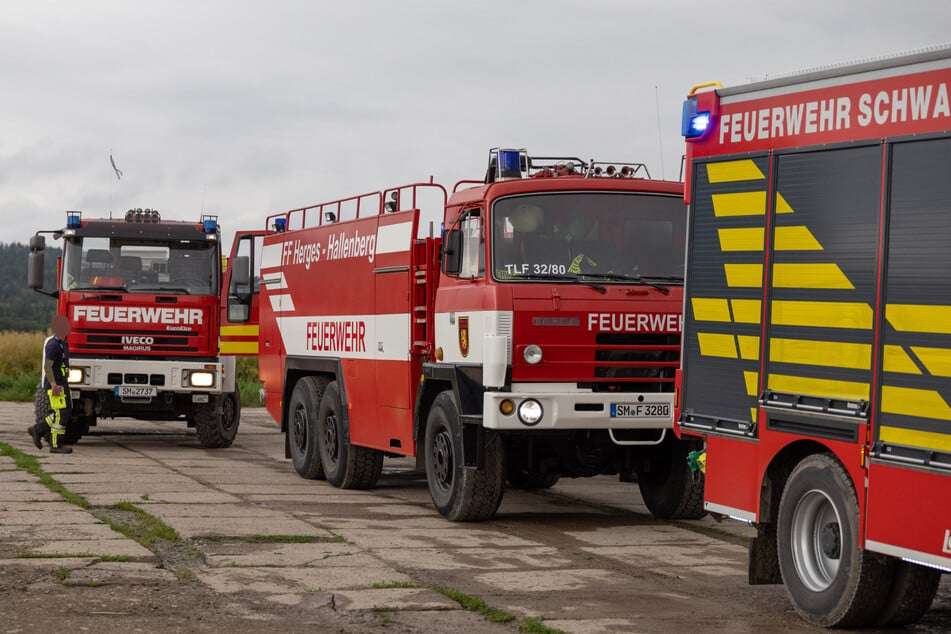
<point>452,252</point>
<point>241,271</point>
<point>34,273</point>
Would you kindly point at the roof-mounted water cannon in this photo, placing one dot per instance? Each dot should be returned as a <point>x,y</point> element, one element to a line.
<point>507,164</point>
<point>700,111</point>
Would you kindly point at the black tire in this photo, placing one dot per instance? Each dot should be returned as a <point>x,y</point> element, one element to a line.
<point>830,581</point>
<point>76,427</point>
<point>346,466</point>
<point>460,494</point>
<point>213,429</point>
<point>670,488</point>
<point>913,589</point>
<point>302,427</point>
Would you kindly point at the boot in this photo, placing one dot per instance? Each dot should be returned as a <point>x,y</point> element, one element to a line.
<point>36,435</point>
<point>61,450</point>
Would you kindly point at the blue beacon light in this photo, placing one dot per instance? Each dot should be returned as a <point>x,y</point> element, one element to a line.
<point>280,225</point>
<point>73,219</point>
<point>510,164</point>
<point>210,225</point>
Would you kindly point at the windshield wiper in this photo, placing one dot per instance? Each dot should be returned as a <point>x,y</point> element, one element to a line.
<point>643,280</point>
<point>163,289</point>
<point>559,278</point>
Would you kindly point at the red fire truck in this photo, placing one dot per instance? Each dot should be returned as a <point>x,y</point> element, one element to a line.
<point>816,360</point>
<point>529,330</point>
<point>142,296</point>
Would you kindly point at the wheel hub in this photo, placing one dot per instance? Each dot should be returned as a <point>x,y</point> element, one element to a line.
<point>442,457</point>
<point>829,541</point>
<point>330,434</point>
<point>300,428</point>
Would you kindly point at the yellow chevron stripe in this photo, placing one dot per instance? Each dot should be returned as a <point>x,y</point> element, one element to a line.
<point>744,275</point>
<point>822,314</point>
<point>797,238</point>
<point>753,414</point>
<point>919,318</point>
<point>239,347</point>
<point>782,207</point>
<point>240,331</point>
<point>830,354</point>
<point>752,383</point>
<point>716,345</point>
<point>913,438</point>
<point>936,360</point>
<point>739,204</point>
<point>849,390</point>
<point>896,359</point>
<point>749,347</point>
<point>730,171</point>
<point>741,239</point>
<point>908,401</point>
<point>710,309</point>
<point>823,275</point>
<point>746,311</point>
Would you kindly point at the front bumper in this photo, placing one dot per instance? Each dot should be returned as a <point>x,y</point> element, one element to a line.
<point>565,407</point>
<point>163,376</point>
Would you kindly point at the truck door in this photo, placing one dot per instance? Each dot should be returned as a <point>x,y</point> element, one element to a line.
<point>909,473</point>
<point>240,301</point>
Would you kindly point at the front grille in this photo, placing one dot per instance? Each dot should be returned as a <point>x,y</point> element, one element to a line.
<point>630,362</point>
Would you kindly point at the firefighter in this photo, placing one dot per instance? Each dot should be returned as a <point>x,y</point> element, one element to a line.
<point>55,373</point>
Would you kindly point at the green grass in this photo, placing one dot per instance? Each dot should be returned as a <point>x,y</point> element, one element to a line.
<point>19,388</point>
<point>31,465</point>
<point>142,527</point>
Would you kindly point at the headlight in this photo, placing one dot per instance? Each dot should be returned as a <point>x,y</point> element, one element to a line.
<point>201,379</point>
<point>532,354</point>
<point>76,375</point>
<point>530,411</point>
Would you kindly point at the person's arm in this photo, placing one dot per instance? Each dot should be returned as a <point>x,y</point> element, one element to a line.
<point>50,374</point>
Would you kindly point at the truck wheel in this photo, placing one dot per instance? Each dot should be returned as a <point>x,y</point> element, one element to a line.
<point>214,431</point>
<point>302,426</point>
<point>460,494</point>
<point>231,411</point>
<point>41,404</point>
<point>346,466</point>
<point>671,490</point>
<point>913,589</point>
<point>830,581</point>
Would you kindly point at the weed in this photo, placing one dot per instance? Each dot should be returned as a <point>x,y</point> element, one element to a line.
<point>535,626</point>
<point>31,465</point>
<point>62,574</point>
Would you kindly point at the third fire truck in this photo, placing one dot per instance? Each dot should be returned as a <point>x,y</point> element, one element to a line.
<point>817,338</point>
<point>528,329</point>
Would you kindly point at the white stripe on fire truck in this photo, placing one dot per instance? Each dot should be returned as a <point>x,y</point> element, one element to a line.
<point>271,255</point>
<point>384,337</point>
<point>274,281</point>
<point>282,302</point>
<point>394,238</point>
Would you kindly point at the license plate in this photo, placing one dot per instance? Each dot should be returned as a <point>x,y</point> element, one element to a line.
<point>639,410</point>
<point>199,398</point>
<point>136,391</point>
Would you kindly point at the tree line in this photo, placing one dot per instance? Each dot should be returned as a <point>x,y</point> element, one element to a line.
<point>21,308</point>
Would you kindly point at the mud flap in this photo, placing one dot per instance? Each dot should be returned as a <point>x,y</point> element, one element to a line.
<point>764,557</point>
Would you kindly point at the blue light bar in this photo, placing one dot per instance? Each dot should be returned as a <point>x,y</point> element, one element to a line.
<point>280,225</point>
<point>209,225</point>
<point>694,124</point>
<point>73,219</point>
<point>510,164</point>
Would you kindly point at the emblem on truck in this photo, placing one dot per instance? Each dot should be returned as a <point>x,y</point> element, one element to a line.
<point>464,336</point>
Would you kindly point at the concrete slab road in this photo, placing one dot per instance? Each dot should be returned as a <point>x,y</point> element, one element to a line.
<point>258,548</point>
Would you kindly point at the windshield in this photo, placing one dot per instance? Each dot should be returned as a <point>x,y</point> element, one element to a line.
<point>137,266</point>
<point>614,237</point>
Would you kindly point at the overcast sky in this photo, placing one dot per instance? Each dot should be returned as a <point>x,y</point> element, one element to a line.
<point>243,109</point>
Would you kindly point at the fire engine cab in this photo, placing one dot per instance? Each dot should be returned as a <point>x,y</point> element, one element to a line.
<point>525,329</point>
<point>142,296</point>
<point>817,339</point>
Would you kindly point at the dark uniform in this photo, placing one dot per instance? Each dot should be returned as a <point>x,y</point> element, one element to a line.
<point>55,372</point>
